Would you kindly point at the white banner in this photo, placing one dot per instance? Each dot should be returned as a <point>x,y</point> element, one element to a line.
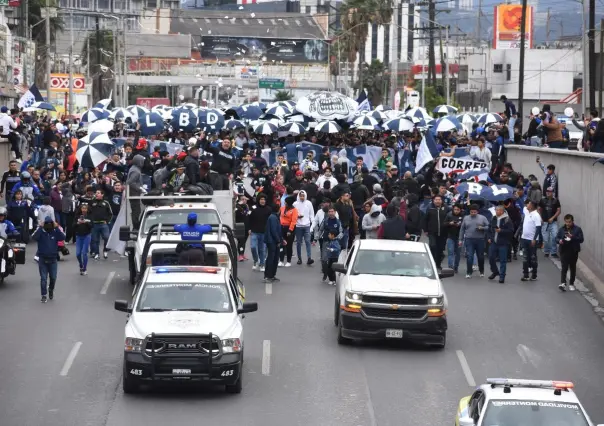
<point>448,165</point>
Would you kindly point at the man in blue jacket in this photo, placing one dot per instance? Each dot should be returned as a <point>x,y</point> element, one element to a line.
<point>500,234</point>
<point>273,239</point>
<point>570,238</point>
<point>192,254</point>
<point>48,237</point>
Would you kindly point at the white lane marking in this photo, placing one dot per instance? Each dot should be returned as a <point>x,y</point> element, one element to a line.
<point>107,282</point>
<point>370,409</point>
<point>528,355</point>
<point>70,358</point>
<point>266,358</point>
<point>466,368</point>
<point>268,288</point>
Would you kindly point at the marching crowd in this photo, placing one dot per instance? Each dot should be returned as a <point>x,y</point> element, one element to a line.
<point>325,199</point>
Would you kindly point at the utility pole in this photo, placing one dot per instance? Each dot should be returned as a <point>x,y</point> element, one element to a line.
<point>584,50</point>
<point>394,58</point>
<point>592,53</point>
<point>47,50</point>
<point>125,69</point>
<point>446,70</point>
<point>442,59</point>
<point>69,109</point>
<point>521,65</point>
<point>547,31</point>
<point>600,88</point>
<point>478,22</point>
<point>431,53</point>
<point>98,58</point>
<point>116,62</point>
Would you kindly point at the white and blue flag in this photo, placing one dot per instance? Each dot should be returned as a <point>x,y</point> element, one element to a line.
<point>426,152</point>
<point>30,97</point>
<point>363,102</point>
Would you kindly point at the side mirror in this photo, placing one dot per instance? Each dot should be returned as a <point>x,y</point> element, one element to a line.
<point>247,307</point>
<point>339,267</point>
<point>466,421</point>
<point>125,233</point>
<point>239,230</point>
<point>122,306</point>
<point>446,273</point>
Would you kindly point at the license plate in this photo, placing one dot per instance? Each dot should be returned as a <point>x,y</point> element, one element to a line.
<point>392,333</point>
<point>181,371</point>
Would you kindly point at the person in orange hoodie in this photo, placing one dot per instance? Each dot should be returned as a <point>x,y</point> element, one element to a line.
<point>288,218</point>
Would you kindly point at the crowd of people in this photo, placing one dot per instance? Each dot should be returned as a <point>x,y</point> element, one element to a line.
<point>325,199</point>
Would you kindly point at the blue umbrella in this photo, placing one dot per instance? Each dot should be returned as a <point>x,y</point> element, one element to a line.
<point>234,124</point>
<point>210,120</point>
<point>265,129</point>
<point>43,105</point>
<point>93,149</point>
<point>151,124</point>
<point>489,193</point>
<point>447,124</point>
<point>418,112</point>
<point>489,117</point>
<point>293,128</point>
<point>399,125</point>
<point>279,111</point>
<point>94,114</point>
<point>121,114</point>
<point>366,122</point>
<point>378,115</point>
<point>472,173</point>
<point>445,109</point>
<point>137,111</point>
<point>250,112</point>
<point>327,127</point>
<point>184,119</point>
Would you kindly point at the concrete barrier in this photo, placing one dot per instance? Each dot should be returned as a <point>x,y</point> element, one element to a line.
<point>581,193</point>
<point>5,154</point>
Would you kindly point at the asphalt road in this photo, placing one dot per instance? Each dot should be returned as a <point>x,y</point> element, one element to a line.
<point>61,362</point>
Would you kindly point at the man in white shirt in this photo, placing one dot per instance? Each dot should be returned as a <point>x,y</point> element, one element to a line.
<point>6,122</point>
<point>481,152</point>
<point>306,216</point>
<point>530,240</point>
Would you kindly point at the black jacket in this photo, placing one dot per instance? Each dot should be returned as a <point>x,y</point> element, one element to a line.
<point>192,169</point>
<point>358,194</point>
<point>414,220</point>
<point>340,189</point>
<point>393,229</point>
<point>453,230</point>
<point>345,214</point>
<point>82,229</point>
<point>576,238</point>
<point>100,211</point>
<point>435,221</point>
<point>223,161</point>
<point>258,218</point>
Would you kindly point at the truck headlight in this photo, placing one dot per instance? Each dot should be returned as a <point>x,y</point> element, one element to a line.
<point>353,301</point>
<point>230,346</point>
<point>133,345</point>
<point>436,300</point>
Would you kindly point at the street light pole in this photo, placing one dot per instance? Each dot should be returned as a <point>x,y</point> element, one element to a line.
<point>47,50</point>
<point>69,109</point>
<point>125,69</point>
<point>446,70</point>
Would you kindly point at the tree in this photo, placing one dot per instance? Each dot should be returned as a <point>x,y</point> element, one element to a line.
<point>104,69</point>
<point>283,95</point>
<point>374,78</point>
<point>38,34</point>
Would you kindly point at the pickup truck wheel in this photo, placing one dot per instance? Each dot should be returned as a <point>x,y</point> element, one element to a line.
<point>129,385</point>
<point>341,339</point>
<point>237,387</point>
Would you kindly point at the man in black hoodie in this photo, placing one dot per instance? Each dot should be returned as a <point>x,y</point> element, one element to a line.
<point>258,218</point>
<point>453,219</point>
<point>191,164</point>
<point>394,227</point>
<point>223,163</point>
<point>414,215</point>
<point>435,226</point>
<point>342,187</point>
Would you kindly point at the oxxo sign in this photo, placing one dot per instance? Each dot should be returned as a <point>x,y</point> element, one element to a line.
<point>60,83</point>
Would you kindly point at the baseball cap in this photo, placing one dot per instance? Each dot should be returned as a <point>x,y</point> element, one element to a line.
<point>192,216</point>
<point>4,109</point>
<point>299,173</point>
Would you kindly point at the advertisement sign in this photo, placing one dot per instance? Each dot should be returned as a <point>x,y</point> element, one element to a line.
<point>151,102</point>
<point>271,83</point>
<point>507,21</point>
<point>60,83</point>
<point>264,49</point>
<point>448,165</point>
<point>248,72</point>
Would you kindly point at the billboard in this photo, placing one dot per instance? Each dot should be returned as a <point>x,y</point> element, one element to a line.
<point>266,50</point>
<point>60,83</point>
<point>508,18</point>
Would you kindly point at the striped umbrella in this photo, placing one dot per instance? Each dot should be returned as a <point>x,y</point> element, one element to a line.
<point>102,104</point>
<point>447,124</point>
<point>293,129</point>
<point>159,107</point>
<point>137,111</point>
<point>234,124</point>
<point>489,117</point>
<point>261,105</point>
<point>378,115</point>
<point>327,127</point>
<point>210,120</point>
<point>94,114</point>
<point>445,109</point>
<point>120,114</point>
<point>399,125</point>
<point>278,110</point>
<point>101,126</point>
<point>265,129</point>
<point>418,112</point>
<point>366,123</point>
<point>42,105</point>
<point>93,149</point>
<point>466,118</point>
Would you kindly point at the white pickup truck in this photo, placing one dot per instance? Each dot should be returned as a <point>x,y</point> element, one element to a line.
<point>163,212</point>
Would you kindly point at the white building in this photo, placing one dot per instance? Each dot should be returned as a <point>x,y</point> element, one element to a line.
<point>549,74</point>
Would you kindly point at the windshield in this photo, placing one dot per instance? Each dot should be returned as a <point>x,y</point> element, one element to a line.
<point>533,413</point>
<point>382,262</point>
<point>176,217</point>
<point>184,297</point>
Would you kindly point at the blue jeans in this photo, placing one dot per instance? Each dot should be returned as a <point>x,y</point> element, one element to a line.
<point>258,248</point>
<point>99,230</point>
<point>454,254</point>
<point>82,246</point>
<point>344,239</point>
<point>549,231</point>
<point>501,252</point>
<point>474,246</point>
<point>48,269</point>
<point>303,233</point>
<point>511,123</point>
<point>529,257</point>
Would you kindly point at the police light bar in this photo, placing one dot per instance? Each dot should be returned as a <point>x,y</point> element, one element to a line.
<point>176,269</point>
<point>544,384</point>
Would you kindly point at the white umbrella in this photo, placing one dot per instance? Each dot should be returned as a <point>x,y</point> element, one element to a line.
<point>101,126</point>
<point>265,129</point>
<point>327,106</point>
<point>121,114</point>
<point>378,115</point>
<point>445,109</point>
<point>40,105</point>
<point>466,118</point>
<point>137,111</point>
<point>279,111</point>
<point>399,125</point>
<point>327,127</point>
<point>93,149</point>
<point>489,118</point>
<point>418,112</point>
<point>158,108</point>
<point>447,124</point>
<point>103,103</point>
<point>94,114</point>
<point>293,129</point>
<point>234,124</point>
